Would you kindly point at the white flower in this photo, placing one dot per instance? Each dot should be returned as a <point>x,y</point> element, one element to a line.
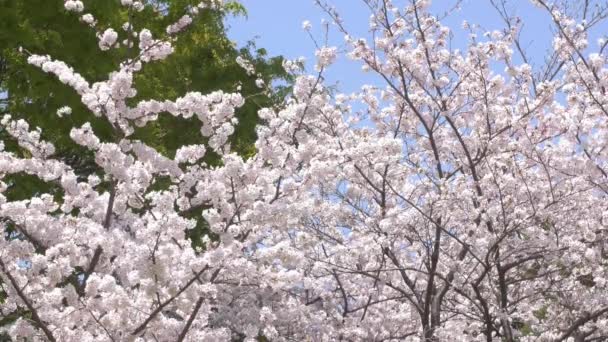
<point>88,19</point>
<point>325,56</point>
<point>190,153</point>
<point>64,111</point>
<point>182,23</point>
<point>74,6</point>
<point>108,39</point>
<point>138,6</point>
<point>245,64</point>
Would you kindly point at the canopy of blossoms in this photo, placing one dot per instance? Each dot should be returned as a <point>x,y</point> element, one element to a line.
<point>466,200</point>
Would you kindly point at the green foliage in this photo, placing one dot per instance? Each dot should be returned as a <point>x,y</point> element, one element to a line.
<point>204,61</point>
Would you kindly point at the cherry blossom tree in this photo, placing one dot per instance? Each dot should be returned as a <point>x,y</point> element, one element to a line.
<point>469,205</point>
<point>462,198</point>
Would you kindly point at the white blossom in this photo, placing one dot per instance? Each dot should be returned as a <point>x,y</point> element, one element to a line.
<point>325,57</point>
<point>74,6</point>
<point>65,110</point>
<point>107,39</point>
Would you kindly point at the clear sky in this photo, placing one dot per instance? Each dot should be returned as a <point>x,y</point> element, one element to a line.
<point>276,25</point>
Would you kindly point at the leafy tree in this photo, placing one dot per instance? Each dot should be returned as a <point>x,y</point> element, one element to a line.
<point>204,60</point>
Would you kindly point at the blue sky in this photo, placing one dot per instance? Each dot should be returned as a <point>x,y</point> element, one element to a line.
<point>276,25</point>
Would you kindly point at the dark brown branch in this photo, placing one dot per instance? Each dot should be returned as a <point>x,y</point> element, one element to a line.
<point>34,313</point>
<point>143,326</point>
<point>580,322</point>
<point>186,328</point>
